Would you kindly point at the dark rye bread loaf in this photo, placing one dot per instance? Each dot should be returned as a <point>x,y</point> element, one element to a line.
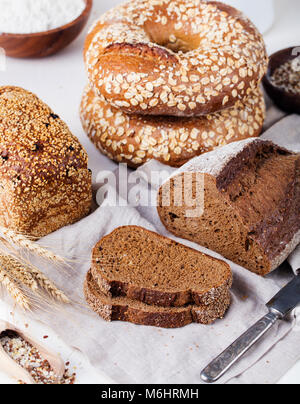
<point>124,309</point>
<point>251,204</point>
<point>144,266</point>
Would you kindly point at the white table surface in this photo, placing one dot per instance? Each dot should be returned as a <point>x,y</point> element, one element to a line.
<point>59,81</point>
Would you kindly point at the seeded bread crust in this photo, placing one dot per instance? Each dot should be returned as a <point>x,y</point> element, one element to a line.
<point>124,309</point>
<point>135,139</point>
<point>44,179</point>
<point>175,58</point>
<point>251,204</point>
<point>108,276</point>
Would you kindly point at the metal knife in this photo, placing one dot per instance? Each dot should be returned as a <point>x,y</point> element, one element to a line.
<point>279,307</point>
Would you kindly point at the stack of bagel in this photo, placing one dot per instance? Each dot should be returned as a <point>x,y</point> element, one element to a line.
<point>172,79</point>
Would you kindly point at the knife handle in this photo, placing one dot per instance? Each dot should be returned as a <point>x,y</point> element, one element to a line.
<point>232,354</point>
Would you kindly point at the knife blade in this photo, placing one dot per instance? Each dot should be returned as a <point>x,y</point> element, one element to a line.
<point>287,299</point>
<point>279,307</point>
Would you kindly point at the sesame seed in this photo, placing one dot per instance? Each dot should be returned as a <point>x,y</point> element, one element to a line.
<point>181,107</point>
<point>134,102</point>
<point>164,20</point>
<point>192,105</point>
<point>149,87</point>
<point>178,26</point>
<point>194,78</point>
<point>194,133</point>
<point>119,78</point>
<point>153,102</point>
<point>225,100</point>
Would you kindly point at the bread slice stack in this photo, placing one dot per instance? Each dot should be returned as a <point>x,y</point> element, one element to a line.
<point>143,278</point>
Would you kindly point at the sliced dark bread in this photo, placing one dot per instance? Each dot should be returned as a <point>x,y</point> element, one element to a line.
<point>136,263</point>
<point>124,309</point>
<point>251,203</point>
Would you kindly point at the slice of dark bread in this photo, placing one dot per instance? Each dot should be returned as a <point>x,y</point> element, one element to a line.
<point>144,266</point>
<point>124,309</point>
<point>251,203</point>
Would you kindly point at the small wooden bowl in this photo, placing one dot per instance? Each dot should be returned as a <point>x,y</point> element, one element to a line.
<point>46,43</point>
<point>286,101</point>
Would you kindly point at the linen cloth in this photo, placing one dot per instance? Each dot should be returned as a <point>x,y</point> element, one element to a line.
<point>127,353</point>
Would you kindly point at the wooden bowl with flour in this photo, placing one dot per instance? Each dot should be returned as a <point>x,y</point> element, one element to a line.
<point>46,43</point>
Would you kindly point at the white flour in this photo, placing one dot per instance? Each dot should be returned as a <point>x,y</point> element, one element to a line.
<point>31,16</point>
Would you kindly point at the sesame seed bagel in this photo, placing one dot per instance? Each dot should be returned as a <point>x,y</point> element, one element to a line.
<point>135,139</point>
<point>174,57</point>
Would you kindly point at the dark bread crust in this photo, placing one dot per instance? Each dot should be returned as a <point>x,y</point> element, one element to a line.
<point>123,309</point>
<point>152,296</point>
<point>155,41</point>
<point>252,204</point>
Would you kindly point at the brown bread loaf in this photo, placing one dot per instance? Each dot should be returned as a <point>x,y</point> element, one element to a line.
<point>124,309</point>
<point>144,266</point>
<point>44,179</point>
<point>251,204</point>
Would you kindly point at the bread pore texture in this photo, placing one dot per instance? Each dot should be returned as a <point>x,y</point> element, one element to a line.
<point>125,309</point>
<point>143,266</point>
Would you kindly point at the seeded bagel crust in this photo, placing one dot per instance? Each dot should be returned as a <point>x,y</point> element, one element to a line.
<point>173,57</point>
<point>124,309</point>
<point>144,266</point>
<point>135,139</point>
<point>44,179</point>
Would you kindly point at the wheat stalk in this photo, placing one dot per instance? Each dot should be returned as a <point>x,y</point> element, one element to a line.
<point>18,268</point>
<point>24,242</point>
<point>48,285</point>
<point>14,290</point>
<point>18,271</point>
<point>33,272</point>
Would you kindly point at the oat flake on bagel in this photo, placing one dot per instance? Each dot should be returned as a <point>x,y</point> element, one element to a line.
<point>174,57</point>
<point>135,139</point>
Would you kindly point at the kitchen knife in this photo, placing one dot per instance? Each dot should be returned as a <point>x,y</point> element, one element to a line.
<point>279,307</point>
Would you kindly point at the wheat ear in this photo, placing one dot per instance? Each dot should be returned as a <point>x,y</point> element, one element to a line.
<point>39,278</point>
<point>14,290</point>
<point>18,272</point>
<point>48,286</point>
<point>26,243</point>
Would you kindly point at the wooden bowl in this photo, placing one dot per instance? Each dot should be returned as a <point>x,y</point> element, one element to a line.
<point>46,43</point>
<point>285,100</point>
